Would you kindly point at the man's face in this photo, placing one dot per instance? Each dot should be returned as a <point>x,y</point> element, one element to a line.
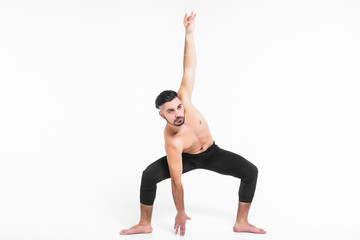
<point>173,112</point>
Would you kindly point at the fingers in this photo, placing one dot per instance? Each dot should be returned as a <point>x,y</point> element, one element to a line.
<point>182,230</point>
<point>191,17</point>
<point>176,229</point>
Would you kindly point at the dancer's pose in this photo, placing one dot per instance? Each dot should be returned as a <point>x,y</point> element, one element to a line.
<point>189,145</point>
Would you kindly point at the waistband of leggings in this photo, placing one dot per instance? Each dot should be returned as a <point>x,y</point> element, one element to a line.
<point>211,148</point>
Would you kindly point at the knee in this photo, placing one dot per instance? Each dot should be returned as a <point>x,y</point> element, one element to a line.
<point>151,175</point>
<point>252,174</point>
<point>147,176</point>
<point>256,170</point>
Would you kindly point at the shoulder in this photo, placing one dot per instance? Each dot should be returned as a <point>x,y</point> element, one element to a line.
<point>173,144</point>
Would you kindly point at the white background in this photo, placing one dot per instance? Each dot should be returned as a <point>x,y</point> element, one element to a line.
<point>277,81</point>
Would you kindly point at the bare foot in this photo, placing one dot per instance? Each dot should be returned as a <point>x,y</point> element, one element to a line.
<point>137,229</point>
<point>247,227</point>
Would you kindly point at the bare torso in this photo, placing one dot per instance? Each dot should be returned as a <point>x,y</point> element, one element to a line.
<point>195,135</point>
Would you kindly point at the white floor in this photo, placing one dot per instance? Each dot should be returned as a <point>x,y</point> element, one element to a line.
<point>93,212</point>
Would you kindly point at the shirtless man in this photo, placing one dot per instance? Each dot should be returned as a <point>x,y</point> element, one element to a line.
<point>189,145</point>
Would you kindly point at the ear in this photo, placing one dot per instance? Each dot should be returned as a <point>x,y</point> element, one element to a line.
<point>161,115</point>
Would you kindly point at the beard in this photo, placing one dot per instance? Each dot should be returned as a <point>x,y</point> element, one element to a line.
<point>177,122</point>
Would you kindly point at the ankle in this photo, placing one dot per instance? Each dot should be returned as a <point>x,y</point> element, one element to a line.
<point>144,223</point>
<point>242,221</point>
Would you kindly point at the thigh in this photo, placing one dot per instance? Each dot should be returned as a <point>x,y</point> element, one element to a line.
<point>159,170</point>
<point>228,163</point>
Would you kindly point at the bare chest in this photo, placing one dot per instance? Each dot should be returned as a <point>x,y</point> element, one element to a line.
<point>196,137</point>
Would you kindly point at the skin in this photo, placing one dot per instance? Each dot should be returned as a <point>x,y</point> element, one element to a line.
<point>186,131</point>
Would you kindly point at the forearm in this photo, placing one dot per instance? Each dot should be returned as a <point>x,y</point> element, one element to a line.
<point>189,52</point>
<point>178,195</point>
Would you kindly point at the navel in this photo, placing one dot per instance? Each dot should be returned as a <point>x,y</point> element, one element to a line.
<point>200,121</point>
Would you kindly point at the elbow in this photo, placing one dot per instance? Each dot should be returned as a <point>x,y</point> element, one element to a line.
<point>176,184</point>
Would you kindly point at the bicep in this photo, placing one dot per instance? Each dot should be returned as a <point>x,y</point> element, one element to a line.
<point>188,81</point>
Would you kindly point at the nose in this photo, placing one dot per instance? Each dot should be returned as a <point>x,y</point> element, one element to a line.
<point>178,113</point>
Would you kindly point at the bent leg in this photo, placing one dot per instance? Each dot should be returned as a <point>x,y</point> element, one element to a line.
<point>229,163</point>
<point>153,174</point>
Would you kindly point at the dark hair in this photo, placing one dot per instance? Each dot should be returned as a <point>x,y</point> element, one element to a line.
<point>165,96</point>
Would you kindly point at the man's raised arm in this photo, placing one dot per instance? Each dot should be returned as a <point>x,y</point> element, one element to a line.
<point>187,83</point>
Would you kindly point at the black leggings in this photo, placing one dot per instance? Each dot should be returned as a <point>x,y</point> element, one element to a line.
<point>214,159</point>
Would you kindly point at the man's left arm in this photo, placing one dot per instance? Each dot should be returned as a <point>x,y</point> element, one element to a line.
<point>188,80</point>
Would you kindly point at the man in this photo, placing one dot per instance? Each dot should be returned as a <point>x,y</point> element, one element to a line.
<point>189,145</point>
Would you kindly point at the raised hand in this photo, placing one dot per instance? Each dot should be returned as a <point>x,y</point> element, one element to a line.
<point>189,22</point>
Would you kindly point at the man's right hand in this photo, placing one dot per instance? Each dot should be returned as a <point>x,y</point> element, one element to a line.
<point>180,221</point>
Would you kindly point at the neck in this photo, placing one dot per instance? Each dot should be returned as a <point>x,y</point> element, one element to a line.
<point>175,129</point>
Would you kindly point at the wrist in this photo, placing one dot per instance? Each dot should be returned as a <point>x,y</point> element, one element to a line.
<point>181,211</point>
